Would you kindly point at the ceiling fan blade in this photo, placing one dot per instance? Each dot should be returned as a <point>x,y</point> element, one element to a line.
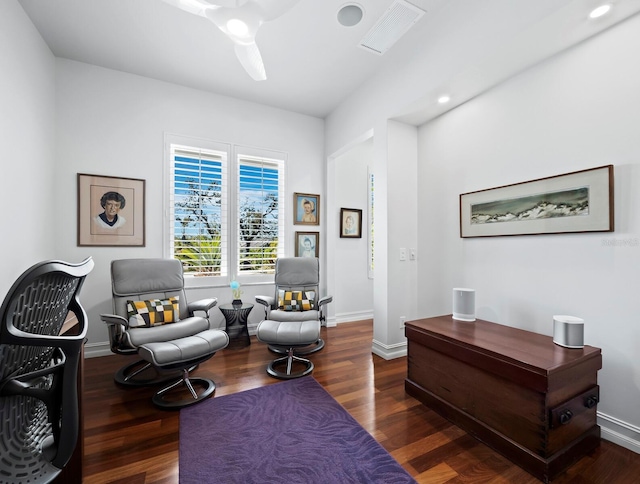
<point>198,7</point>
<point>250,58</point>
<point>248,15</point>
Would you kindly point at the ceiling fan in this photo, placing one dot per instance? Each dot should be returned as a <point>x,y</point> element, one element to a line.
<point>240,21</point>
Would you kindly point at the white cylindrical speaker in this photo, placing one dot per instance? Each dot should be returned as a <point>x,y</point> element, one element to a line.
<point>464,304</point>
<point>568,331</point>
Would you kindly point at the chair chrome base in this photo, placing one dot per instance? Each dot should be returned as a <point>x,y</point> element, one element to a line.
<point>141,373</point>
<point>288,361</point>
<point>305,350</point>
<point>168,400</point>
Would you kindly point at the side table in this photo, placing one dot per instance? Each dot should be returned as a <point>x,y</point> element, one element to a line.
<point>236,316</point>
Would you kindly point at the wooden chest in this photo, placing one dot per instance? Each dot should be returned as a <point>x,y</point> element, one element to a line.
<point>528,398</point>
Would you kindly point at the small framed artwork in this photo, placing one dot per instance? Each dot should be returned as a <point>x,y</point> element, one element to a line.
<point>350,223</point>
<point>110,211</point>
<point>307,244</point>
<point>306,209</point>
<point>581,201</point>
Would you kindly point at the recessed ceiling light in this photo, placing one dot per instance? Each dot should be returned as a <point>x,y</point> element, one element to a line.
<point>600,11</point>
<point>350,15</point>
<point>444,99</point>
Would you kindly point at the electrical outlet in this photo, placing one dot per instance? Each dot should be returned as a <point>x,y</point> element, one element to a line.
<point>402,321</point>
<point>403,254</point>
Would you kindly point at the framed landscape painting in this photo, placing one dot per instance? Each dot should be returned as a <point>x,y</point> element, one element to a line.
<point>580,201</point>
<point>110,211</point>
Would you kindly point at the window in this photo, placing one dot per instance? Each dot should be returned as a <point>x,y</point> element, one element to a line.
<point>198,210</point>
<point>260,227</point>
<point>226,212</point>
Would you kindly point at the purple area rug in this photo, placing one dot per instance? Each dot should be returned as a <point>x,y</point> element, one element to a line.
<point>292,431</point>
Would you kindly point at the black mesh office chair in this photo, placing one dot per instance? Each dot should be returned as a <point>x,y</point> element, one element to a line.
<point>39,371</point>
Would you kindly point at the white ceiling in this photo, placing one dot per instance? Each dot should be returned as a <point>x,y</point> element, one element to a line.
<point>312,62</point>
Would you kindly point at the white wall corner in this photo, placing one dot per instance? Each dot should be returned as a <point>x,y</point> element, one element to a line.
<point>619,432</point>
<point>331,322</point>
<point>389,352</point>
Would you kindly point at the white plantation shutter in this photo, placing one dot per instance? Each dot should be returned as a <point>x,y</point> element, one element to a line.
<point>260,212</point>
<point>199,210</point>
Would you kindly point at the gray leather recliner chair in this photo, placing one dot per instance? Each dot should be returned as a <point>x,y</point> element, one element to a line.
<point>293,329</point>
<point>152,318</point>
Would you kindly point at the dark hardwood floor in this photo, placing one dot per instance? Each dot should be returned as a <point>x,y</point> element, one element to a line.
<point>128,440</point>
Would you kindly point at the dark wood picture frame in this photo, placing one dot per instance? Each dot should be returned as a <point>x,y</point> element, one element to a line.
<point>350,223</point>
<point>121,225</point>
<point>580,201</point>
<point>306,209</point>
<point>306,250</point>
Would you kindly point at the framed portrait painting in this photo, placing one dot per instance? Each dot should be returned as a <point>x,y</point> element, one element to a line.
<point>307,244</point>
<point>110,211</point>
<point>350,223</point>
<point>306,209</point>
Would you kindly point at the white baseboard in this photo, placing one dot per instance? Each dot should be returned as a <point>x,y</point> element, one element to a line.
<point>619,432</point>
<point>93,350</point>
<point>389,352</point>
<point>353,316</point>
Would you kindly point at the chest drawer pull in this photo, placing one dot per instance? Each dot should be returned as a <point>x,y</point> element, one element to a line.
<point>591,401</point>
<point>565,417</point>
<point>584,402</point>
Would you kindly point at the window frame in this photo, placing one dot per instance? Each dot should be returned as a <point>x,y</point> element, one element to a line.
<point>232,227</point>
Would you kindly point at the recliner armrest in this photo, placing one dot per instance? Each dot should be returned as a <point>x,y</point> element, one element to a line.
<point>202,305</point>
<point>114,319</point>
<point>324,300</point>
<point>267,301</point>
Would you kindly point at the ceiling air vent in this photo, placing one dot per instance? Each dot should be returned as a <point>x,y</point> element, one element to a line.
<point>393,24</point>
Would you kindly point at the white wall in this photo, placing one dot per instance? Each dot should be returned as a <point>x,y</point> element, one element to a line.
<point>352,289</point>
<point>112,123</point>
<point>578,110</point>
<point>27,105</point>
<point>403,220</point>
